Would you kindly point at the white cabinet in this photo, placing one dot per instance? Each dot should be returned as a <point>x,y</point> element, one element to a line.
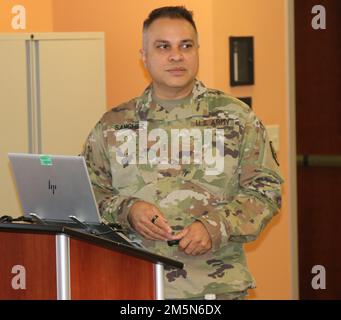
<point>52,92</point>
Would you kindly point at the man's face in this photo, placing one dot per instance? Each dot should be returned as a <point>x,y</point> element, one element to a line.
<point>170,54</point>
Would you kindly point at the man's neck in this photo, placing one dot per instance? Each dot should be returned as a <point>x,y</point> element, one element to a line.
<point>173,94</point>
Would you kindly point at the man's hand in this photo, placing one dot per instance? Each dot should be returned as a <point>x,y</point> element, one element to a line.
<point>142,214</point>
<point>194,239</point>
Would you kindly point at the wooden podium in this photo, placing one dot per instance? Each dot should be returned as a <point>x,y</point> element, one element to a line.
<point>50,262</point>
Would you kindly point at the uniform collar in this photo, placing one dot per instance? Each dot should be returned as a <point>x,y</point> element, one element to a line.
<point>147,109</point>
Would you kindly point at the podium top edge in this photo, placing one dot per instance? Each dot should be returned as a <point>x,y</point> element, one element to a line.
<point>123,248</point>
<point>30,228</point>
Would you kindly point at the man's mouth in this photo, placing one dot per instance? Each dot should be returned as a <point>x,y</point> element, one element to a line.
<point>176,71</point>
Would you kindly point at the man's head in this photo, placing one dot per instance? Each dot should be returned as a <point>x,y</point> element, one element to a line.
<point>170,50</point>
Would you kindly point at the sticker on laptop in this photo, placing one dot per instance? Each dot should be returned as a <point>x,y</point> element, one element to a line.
<point>45,160</point>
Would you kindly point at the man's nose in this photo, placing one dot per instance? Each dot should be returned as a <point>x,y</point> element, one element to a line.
<point>175,55</point>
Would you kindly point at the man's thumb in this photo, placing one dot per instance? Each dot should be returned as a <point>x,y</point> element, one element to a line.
<point>181,234</point>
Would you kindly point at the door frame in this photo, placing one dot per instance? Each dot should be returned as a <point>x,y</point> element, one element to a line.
<point>292,164</point>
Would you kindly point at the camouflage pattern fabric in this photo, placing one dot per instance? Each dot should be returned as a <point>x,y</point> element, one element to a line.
<point>234,205</point>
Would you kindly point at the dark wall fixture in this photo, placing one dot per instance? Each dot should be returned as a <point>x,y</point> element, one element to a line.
<point>241,61</point>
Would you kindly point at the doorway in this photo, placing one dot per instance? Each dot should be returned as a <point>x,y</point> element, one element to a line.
<point>318,138</point>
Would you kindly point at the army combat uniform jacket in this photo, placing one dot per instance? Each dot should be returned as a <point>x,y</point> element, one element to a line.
<point>234,203</point>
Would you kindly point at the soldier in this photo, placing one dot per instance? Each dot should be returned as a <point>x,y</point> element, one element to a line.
<point>213,192</point>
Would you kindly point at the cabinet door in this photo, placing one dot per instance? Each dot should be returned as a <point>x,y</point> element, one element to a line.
<point>13,117</point>
<point>72,90</point>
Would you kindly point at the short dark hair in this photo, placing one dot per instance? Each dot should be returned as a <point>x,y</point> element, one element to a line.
<point>175,12</point>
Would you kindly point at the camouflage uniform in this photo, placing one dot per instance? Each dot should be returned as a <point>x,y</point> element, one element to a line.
<point>234,205</point>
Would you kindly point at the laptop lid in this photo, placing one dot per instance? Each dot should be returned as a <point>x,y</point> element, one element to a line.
<point>55,187</point>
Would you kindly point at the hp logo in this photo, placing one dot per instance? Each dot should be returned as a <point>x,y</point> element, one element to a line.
<point>52,187</point>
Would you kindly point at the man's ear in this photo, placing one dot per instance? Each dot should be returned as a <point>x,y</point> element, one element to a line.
<point>143,56</point>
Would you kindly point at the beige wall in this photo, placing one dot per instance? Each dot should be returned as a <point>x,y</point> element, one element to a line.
<point>269,257</point>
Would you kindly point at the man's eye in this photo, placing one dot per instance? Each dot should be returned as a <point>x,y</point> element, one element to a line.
<point>162,46</point>
<point>187,45</point>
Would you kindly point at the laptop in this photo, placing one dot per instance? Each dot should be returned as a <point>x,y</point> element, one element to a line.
<point>56,190</point>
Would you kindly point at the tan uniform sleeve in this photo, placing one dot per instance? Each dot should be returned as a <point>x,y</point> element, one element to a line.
<point>112,206</point>
<point>259,196</point>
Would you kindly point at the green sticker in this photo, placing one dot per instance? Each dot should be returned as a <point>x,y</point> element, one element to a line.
<point>45,160</point>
